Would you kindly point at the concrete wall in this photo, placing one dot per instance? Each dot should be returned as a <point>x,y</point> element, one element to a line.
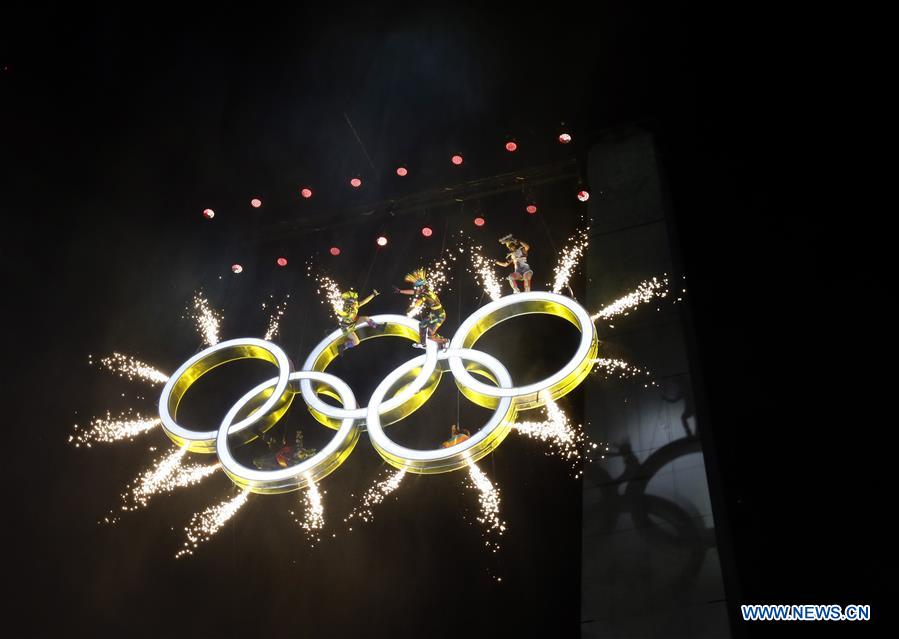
<point>650,560</point>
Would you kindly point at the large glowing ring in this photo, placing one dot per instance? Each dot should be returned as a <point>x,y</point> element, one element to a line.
<point>308,471</point>
<point>532,395</point>
<point>414,393</point>
<point>190,371</point>
<point>444,460</point>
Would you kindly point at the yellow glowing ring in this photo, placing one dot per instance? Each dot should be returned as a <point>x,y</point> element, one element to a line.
<point>444,460</point>
<point>308,471</point>
<point>190,371</point>
<point>414,393</point>
<point>555,386</point>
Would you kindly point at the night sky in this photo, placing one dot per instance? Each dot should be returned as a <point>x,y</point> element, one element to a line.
<point>120,127</point>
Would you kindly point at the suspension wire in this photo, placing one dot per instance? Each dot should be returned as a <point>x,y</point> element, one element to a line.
<point>458,324</point>
<point>548,234</point>
<point>371,265</point>
<point>362,146</point>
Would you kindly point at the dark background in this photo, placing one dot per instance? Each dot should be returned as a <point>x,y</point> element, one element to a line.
<point>120,126</point>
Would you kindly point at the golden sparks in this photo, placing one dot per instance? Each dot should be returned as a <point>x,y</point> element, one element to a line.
<point>208,321</point>
<point>375,494</point>
<point>567,440</point>
<point>645,292</point>
<point>489,502</point>
<point>313,513</point>
<point>274,320</point>
<point>622,369</point>
<point>484,271</point>
<point>568,260</point>
<point>127,425</point>
<point>205,524</point>
<point>164,476</point>
<point>329,290</point>
<point>131,369</point>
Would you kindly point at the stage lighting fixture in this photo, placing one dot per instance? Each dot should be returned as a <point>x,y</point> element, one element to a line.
<point>457,159</point>
<point>427,231</point>
<point>382,241</point>
<point>531,208</point>
<point>282,261</point>
<point>208,213</point>
<point>306,192</point>
<point>402,171</point>
<point>236,268</point>
<point>255,202</point>
<point>334,251</point>
<point>583,195</point>
<point>355,183</point>
<point>479,221</point>
<point>511,146</point>
<point>564,138</point>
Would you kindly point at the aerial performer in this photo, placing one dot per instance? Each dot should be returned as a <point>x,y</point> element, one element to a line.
<point>424,297</point>
<point>457,436</point>
<point>517,257</point>
<point>348,316</point>
<point>280,454</point>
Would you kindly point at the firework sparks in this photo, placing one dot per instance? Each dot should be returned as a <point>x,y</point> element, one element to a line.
<point>567,440</point>
<point>313,513</point>
<point>621,369</point>
<point>484,271</point>
<point>645,292</point>
<point>164,476</point>
<point>330,291</point>
<point>127,425</point>
<point>204,525</point>
<point>208,321</point>
<point>274,320</point>
<point>569,259</point>
<point>131,369</point>
<point>438,274</point>
<point>375,495</point>
<point>489,501</point>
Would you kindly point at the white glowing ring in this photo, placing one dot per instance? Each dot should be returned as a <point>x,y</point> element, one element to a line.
<point>308,471</point>
<point>443,460</point>
<point>336,338</point>
<point>202,363</point>
<point>531,395</point>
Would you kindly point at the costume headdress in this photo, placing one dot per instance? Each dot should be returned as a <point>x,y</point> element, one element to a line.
<point>417,278</point>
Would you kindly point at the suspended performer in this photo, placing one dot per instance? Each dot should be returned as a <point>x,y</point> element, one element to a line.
<point>457,436</point>
<point>517,257</point>
<point>280,454</point>
<point>348,317</point>
<point>424,297</point>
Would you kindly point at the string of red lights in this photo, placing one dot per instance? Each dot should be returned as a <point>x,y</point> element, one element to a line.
<point>456,159</point>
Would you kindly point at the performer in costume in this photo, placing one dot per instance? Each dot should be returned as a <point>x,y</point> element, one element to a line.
<point>517,257</point>
<point>348,316</point>
<point>291,454</point>
<point>280,454</point>
<point>457,436</point>
<point>432,314</point>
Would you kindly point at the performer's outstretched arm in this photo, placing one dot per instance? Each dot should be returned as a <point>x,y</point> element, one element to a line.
<point>369,298</point>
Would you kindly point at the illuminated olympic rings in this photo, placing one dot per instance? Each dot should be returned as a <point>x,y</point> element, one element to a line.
<point>401,392</point>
